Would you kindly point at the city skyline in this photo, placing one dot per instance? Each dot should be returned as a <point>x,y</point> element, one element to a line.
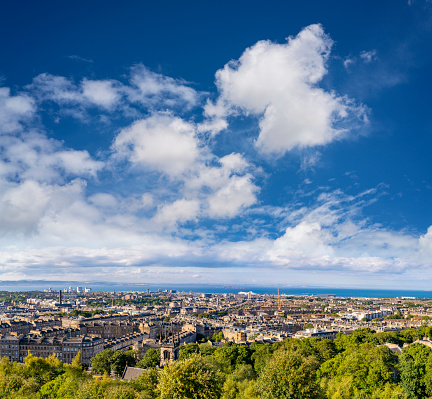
<point>217,143</point>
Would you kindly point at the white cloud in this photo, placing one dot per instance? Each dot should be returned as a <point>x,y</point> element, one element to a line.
<point>425,244</point>
<point>239,193</point>
<point>31,155</point>
<point>24,205</point>
<point>144,89</point>
<point>104,200</point>
<point>162,142</point>
<point>279,82</point>
<point>146,200</point>
<point>77,163</point>
<point>348,62</point>
<point>14,110</point>
<point>213,126</point>
<point>368,56</point>
<point>154,89</point>
<point>179,211</point>
<point>306,238</point>
<point>225,190</point>
<point>235,163</point>
<point>214,187</point>
<point>47,87</point>
<point>101,92</point>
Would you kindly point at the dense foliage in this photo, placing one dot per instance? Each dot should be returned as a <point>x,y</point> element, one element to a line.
<point>356,366</point>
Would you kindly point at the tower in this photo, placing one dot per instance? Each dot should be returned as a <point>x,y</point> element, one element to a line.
<point>60,297</point>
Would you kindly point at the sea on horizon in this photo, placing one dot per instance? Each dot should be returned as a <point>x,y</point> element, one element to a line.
<point>218,289</point>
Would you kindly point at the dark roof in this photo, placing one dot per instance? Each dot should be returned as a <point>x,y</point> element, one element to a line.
<point>130,373</point>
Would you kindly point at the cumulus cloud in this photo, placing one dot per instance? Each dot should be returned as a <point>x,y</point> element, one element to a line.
<point>425,244</point>
<point>14,110</point>
<point>23,206</point>
<point>47,87</point>
<point>179,211</point>
<point>162,142</point>
<point>102,93</point>
<point>237,194</point>
<point>31,155</point>
<point>308,238</point>
<point>279,83</point>
<point>223,186</point>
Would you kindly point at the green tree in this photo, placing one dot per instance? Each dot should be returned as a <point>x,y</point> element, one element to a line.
<point>121,359</point>
<point>151,359</point>
<point>231,356</point>
<point>217,336</point>
<point>121,391</point>
<point>188,350</point>
<point>101,363</point>
<point>205,316</point>
<point>367,366</point>
<point>206,349</point>
<point>147,383</point>
<point>192,378</point>
<point>359,336</point>
<point>261,355</point>
<point>43,370</point>
<point>414,367</point>
<point>240,384</point>
<point>390,391</point>
<point>289,375</point>
<point>321,349</point>
<point>93,389</point>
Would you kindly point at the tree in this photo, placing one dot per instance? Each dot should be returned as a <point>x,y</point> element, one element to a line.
<point>147,383</point>
<point>390,391</point>
<point>240,384</point>
<point>122,391</point>
<point>205,316</point>
<point>359,336</point>
<point>93,389</point>
<point>101,363</point>
<point>187,350</point>
<point>289,375</point>
<point>192,378</point>
<point>217,336</point>
<point>261,355</point>
<point>43,370</point>
<point>321,349</point>
<point>151,359</point>
<point>231,356</point>
<point>415,371</point>
<point>369,367</point>
<point>206,349</point>
<point>121,359</point>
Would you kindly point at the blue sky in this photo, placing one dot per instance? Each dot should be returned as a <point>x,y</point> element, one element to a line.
<point>285,143</point>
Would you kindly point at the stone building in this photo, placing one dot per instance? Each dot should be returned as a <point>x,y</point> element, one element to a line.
<point>17,347</point>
